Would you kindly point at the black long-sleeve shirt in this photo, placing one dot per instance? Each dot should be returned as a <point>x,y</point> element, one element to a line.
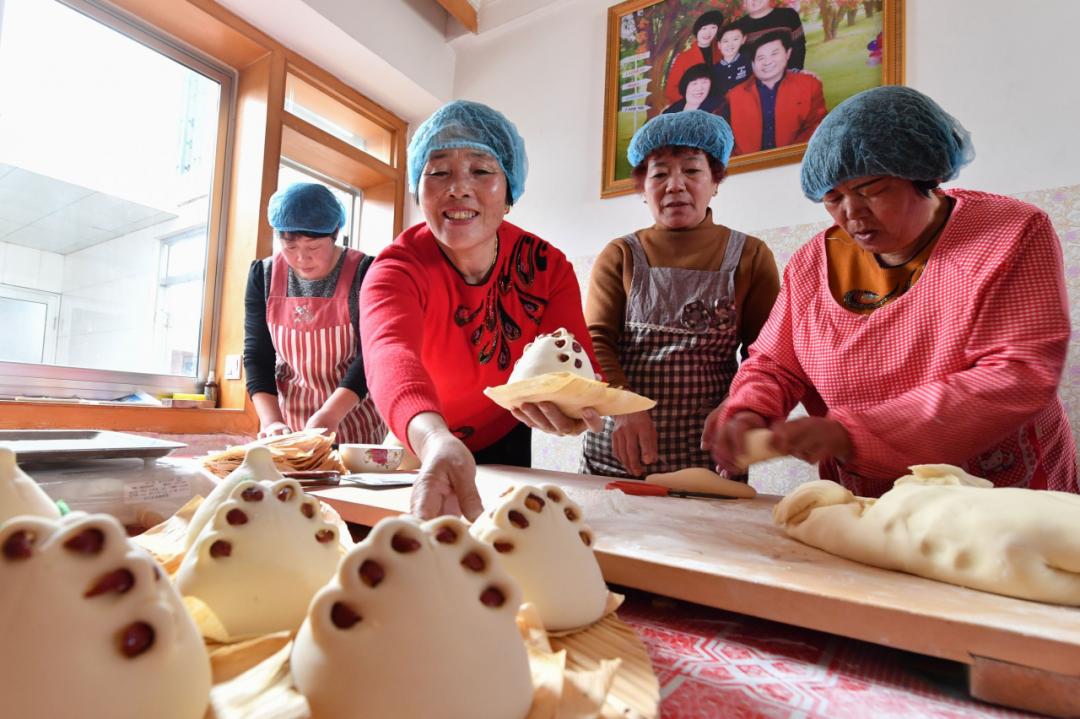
<point>260,358</point>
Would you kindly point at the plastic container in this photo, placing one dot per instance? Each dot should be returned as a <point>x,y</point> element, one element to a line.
<point>140,493</point>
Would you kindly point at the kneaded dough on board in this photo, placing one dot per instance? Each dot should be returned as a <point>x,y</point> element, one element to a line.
<point>699,479</point>
<point>937,523</point>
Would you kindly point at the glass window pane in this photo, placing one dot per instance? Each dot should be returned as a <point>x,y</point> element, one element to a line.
<point>107,146</point>
<point>186,257</point>
<point>24,330</point>
<point>324,112</point>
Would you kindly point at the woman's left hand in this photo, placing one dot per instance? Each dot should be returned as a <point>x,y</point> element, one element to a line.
<point>812,439</point>
<point>324,418</point>
<point>547,417</point>
<point>334,409</point>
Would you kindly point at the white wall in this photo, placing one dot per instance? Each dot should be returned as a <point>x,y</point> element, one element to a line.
<point>1008,71</point>
<point>23,266</point>
<point>393,51</point>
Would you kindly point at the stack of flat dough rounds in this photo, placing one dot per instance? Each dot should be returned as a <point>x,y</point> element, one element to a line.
<point>555,368</point>
<point>307,450</point>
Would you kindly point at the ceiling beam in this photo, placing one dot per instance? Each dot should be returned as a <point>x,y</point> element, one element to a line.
<point>462,11</point>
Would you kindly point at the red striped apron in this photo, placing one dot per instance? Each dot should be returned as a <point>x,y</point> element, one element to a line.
<point>315,343</point>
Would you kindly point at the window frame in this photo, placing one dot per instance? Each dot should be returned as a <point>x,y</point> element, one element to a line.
<point>50,380</point>
<point>259,135</point>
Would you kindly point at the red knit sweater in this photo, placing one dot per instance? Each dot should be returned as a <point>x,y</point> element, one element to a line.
<point>431,342</point>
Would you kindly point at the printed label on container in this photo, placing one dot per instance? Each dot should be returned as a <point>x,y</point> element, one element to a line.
<point>169,488</point>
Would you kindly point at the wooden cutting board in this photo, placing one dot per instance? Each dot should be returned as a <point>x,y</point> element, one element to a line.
<point>728,554</point>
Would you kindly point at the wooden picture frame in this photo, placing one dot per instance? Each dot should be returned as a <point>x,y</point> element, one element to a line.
<point>645,39</point>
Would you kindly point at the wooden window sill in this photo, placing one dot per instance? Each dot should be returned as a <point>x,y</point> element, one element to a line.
<point>64,415</point>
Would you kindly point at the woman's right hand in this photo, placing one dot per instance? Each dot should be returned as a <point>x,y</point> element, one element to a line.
<point>726,441</point>
<point>633,441</point>
<point>273,429</point>
<point>446,483</point>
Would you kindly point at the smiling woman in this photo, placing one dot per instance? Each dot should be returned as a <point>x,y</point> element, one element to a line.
<point>465,221</point>
<point>449,308</point>
<point>669,305</point>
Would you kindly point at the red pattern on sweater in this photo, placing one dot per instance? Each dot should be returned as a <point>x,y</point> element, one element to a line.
<point>432,343</point>
<point>963,369</point>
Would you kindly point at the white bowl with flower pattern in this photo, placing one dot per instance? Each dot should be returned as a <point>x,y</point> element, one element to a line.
<point>371,457</point>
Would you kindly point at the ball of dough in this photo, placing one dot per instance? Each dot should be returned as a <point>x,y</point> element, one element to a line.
<point>19,493</point>
<point>418,622</point>
<point>258,465</point>
<point>556,352</point>
<point>544,543</point>
<point>261,558</point>
<point>92,627</point>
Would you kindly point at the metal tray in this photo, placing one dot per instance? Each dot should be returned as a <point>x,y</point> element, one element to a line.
<point>64,445</point>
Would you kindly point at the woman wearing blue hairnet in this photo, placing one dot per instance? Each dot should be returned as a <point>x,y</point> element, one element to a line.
<point>670,305</point>
<point>449,307</point>
<point>925,326</point>
<point>301,323</point>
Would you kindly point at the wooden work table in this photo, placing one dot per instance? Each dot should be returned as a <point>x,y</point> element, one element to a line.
<point>729,555</point>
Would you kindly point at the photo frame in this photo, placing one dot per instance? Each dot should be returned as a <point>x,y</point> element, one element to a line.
<point>655,62</point>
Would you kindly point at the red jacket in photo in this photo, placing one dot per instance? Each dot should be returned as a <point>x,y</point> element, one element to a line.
<point>800,107</point>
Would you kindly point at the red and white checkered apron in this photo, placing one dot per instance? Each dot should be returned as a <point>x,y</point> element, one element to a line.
<point>678,348</point>
<point>315,343</point>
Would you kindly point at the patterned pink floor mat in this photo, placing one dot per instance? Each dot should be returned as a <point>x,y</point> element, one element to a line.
<point>712,663</point>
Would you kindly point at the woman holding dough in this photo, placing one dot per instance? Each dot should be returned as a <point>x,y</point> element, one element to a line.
<point>301,323</point>
<point>669,305</point>
<point>448,308</point>
<point>926,326</point>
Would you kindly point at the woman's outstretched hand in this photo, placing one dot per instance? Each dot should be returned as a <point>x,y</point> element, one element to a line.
<point>447,480</point>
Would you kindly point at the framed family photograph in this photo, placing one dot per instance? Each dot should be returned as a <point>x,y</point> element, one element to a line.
<point>772,68</point>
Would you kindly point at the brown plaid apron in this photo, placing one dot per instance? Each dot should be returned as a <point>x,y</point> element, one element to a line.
<point>677,347</point>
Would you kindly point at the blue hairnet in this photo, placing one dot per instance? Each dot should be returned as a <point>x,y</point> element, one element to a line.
<point>690,128</point>
<point>306,207</point>
<point>462,123</point>
<point>890,130</point>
